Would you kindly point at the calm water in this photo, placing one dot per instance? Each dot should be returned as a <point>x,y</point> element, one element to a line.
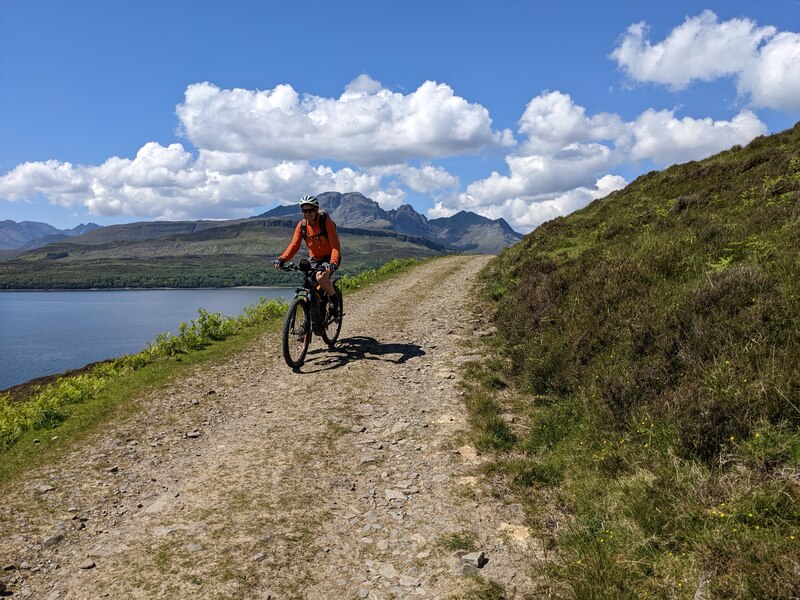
<point>42,333</point>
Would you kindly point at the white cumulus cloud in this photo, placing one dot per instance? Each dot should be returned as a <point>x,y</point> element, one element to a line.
<point>537,174</point>
<point>552,121</point>
<point>764,63</point>
<point>526,215</point>
<point>254,147</point>
<point>51,178</point>
<point>367,125</point>
<point>774,78</point>
<point>426,179</point>
<point>661,137</point>
<point>569,157</point>
<point>167,183</point>
<point>248,148</point>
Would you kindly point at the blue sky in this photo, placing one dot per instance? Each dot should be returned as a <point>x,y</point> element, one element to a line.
<point>120,111</point>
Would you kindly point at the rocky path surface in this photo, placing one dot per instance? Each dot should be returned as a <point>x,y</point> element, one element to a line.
<point>349,479</point>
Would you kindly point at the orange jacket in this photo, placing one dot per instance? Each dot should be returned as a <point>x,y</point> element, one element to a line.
<point>319,246</point>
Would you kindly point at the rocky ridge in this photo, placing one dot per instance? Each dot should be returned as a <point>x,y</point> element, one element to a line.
<point>463,232</point>
<point>27,235</point>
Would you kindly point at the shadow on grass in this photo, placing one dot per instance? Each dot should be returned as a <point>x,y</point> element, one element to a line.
<point>359,348</point>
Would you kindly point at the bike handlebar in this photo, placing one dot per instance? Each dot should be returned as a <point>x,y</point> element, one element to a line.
<point>290,266</point>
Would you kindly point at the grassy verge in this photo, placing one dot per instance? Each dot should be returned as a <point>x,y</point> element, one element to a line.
<point>382,273</point>
<point>48,420</point>
<point>624,515</point>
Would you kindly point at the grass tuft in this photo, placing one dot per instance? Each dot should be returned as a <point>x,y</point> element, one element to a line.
<point>462,540</point>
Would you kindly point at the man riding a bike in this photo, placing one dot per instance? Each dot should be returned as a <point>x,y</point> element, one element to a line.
<point>319,233</point>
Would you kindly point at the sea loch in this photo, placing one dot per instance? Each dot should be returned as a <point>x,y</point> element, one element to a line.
<point>47,332</point>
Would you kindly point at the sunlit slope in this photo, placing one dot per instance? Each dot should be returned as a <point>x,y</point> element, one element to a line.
<point>678,295</point>
<point>650,344</point>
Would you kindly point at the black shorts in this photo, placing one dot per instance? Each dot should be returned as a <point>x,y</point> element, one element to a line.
<point>318,263</point>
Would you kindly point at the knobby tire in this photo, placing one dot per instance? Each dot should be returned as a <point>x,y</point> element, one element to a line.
<point>296,335</point>
<point>332,327</point>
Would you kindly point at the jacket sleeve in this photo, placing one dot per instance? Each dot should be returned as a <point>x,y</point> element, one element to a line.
<point>294,246</point>
<point>333,238</point>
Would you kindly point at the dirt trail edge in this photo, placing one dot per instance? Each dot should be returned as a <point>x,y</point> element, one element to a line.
<point>248,480</point>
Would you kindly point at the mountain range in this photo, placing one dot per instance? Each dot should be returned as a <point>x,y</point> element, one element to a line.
<point>32,234</point>
<point>462,232</point>
<point>234,252</point>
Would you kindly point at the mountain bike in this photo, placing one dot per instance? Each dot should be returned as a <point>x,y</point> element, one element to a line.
<point>310,313</point>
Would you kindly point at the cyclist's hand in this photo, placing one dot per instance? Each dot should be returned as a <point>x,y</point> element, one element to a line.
<point>278,263</point>
<point>331,267</point>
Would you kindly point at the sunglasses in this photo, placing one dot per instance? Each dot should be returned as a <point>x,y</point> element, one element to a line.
<point>308,210</point>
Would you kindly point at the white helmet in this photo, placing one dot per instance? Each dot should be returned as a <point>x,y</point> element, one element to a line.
<point>312,200</point>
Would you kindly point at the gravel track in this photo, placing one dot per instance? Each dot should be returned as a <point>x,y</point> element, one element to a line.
<point>247,480</point>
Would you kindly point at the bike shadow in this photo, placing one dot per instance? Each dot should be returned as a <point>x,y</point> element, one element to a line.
<point>360,348</point>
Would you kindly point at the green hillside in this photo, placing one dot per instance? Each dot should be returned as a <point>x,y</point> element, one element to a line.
<point>191,254</point>
<point>651,342</point>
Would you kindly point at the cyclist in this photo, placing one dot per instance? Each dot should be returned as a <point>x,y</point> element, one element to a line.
<point>318,231</point>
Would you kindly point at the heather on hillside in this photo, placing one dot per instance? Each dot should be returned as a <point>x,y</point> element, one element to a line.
<point>652,340</point>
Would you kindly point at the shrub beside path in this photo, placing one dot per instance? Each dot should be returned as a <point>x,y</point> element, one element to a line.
<point>353,478</point>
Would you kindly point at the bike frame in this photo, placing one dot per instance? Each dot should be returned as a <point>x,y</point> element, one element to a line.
<point>315,321</point>
<point>310,291</point>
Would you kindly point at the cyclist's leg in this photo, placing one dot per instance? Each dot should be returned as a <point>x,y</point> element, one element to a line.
<point>324,279</point>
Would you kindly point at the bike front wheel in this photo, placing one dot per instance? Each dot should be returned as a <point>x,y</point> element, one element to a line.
<point>333,322</point>
<point>296,334</point>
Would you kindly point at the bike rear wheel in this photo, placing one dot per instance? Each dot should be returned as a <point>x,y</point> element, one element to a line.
<point>333,325</point>
<point>296,335</point>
